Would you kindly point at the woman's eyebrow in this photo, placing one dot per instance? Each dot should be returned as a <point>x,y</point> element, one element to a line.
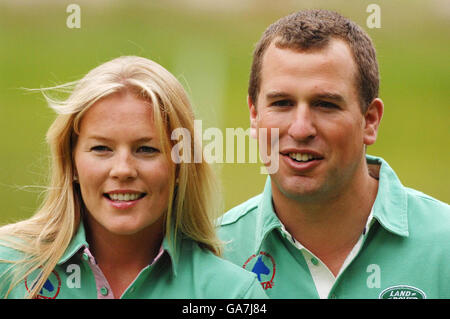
<point>106,139</point>
<point>99,138</point>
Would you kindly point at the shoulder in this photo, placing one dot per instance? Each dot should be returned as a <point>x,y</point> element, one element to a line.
<point>219,278</point>
<point>8,253</point>
<point>427,200</point>
<point>428,213</point>
<point>246,209</point>
<point>8,258</point>
<point>239,224</point>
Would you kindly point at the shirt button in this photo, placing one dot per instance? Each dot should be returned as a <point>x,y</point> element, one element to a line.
<point>314,261</point>
<point>104,291</point>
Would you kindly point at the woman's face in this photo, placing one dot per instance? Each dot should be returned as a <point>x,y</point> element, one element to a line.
<point>122,172</point>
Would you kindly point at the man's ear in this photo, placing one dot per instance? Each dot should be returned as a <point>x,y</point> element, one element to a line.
<point>253,116</point>
<point>372,119</point>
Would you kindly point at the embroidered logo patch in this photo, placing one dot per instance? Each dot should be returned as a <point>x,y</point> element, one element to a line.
<point>263,265</point>
<point>51,287</point>
<point>402,292</point>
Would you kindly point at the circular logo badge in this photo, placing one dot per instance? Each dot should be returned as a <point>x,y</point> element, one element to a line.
<point>402,292</point>
<point>263,265</point>
<point>51,287</point>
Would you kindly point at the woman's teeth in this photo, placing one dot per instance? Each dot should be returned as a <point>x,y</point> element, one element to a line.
<point>124,197</point>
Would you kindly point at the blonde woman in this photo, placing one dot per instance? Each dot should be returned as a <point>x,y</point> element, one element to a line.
<point>120,218</point>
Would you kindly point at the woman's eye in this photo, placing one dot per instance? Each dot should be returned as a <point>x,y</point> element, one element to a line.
<point>147,150</point>
<point>283,103</point>
<point>100,148</point>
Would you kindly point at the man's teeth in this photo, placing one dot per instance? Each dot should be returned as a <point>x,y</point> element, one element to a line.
<point>299,157</point>
<point>124,197</point>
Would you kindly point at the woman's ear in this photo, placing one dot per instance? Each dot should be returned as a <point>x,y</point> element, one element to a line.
<point>253,117</point>
<point>372,119</point>
<point>75,176</point>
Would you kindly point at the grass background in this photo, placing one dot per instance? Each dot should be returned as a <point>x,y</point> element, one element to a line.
<point>208,45</point>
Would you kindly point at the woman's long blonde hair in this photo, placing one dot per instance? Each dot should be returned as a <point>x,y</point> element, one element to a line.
<point>43,238</point>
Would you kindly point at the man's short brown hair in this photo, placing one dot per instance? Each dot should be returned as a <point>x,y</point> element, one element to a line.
<point>313,29</point>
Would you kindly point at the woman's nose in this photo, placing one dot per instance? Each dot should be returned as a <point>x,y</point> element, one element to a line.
<point>123,166</point>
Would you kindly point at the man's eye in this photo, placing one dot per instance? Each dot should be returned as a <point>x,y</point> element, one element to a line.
<point>326,104</point>
<point>100,148</point>
<point>283,103</point>
<point>147,150</point>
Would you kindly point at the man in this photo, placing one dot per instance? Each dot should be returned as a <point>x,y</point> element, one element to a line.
<point>332,222</point>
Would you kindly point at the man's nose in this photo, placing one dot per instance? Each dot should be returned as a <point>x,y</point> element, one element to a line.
<point>123,167</point>
<point>302,126</point>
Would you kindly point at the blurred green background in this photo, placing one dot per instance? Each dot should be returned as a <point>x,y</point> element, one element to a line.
<point>208,45</point>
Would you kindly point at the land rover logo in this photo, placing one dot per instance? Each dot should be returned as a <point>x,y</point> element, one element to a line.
<point>402,292</point>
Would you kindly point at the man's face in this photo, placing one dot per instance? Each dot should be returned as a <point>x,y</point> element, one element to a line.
<point>311,97</point>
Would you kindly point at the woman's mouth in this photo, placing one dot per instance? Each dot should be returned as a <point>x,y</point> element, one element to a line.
<point>123,200</point>
<point>124,197</point>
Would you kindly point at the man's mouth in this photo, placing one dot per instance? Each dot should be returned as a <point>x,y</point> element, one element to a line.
<point>304,157</point>
<point>124,197</point>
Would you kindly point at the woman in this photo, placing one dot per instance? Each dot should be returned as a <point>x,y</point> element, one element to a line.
<point>120,218</point>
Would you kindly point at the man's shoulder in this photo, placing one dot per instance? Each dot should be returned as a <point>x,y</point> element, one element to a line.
<point>245,210</point>
<point>419,200</point>
<point>428,210</point>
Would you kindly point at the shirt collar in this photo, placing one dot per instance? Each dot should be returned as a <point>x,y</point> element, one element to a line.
<point>267,220</point>
<point>389,208</point>
<point>78,242</point>
<point>172,245</point>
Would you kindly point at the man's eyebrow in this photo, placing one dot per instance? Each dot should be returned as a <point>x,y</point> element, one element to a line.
<point>323,95</point>
<point>329,96</point>
<point>277,94</point>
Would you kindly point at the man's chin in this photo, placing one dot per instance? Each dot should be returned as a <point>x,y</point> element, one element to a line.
<point>298,188</point>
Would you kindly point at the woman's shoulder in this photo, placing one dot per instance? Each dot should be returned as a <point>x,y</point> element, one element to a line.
<point>8,256</point>
<point>9,251</point>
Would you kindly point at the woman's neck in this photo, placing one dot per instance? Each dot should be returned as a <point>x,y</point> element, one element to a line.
<point>122,257</point>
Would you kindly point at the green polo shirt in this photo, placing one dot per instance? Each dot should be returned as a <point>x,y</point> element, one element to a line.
<point>183,270</point>
<point>404,254</point>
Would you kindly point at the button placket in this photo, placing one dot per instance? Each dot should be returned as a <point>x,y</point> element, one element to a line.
<point>314,261</point>
<point>101,283</point>
<point>104,291</point>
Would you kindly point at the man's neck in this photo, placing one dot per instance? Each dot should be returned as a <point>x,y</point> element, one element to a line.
<point>329,227</point>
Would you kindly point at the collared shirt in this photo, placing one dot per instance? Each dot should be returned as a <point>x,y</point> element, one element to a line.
<point>404,253</point>
<point>322,276</point>
<point>181,270</point>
